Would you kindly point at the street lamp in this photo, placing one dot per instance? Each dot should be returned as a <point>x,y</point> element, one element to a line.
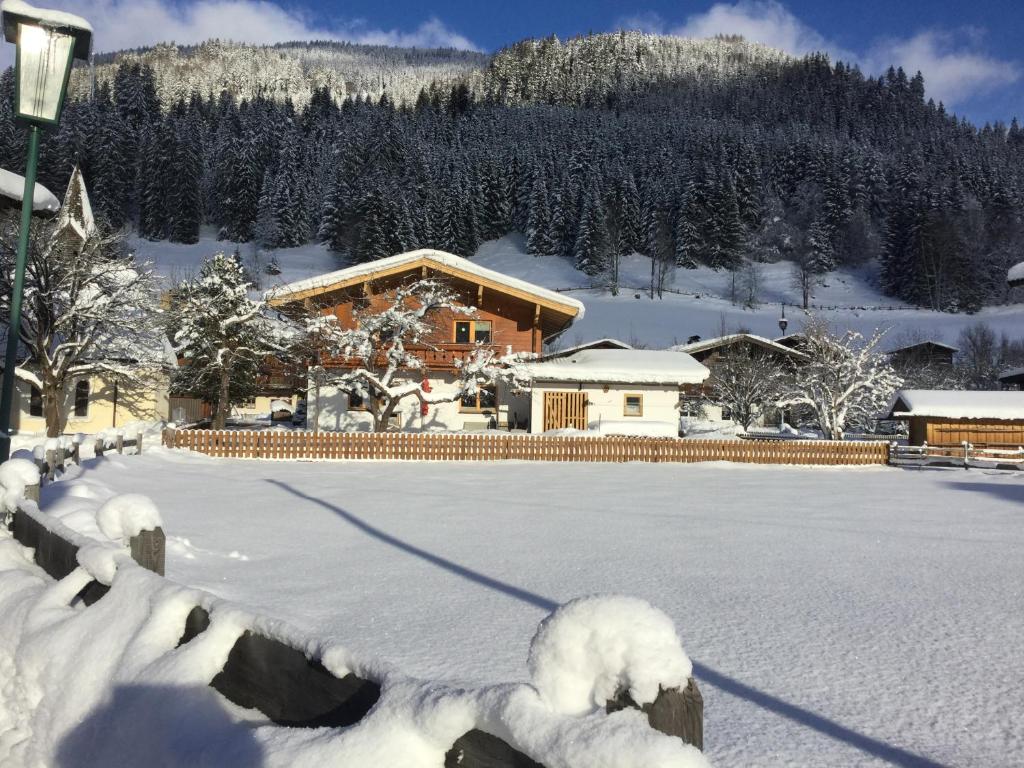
<point>783,322</point>
<point>47,43</point>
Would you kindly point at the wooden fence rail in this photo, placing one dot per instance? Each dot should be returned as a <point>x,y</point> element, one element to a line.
<point>434,446</point>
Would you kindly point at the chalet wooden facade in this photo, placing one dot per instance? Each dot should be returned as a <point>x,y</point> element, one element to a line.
<point>950,418</point>
<point>509,314</point>
<point>922,354</point>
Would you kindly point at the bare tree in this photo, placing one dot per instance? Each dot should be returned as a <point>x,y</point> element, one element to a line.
<point>747,380</point>
<point>88,308</point>
<point>846,379</point>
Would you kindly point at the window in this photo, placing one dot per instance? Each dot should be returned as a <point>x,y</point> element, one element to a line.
<point>691,407</point>
<point>632,405</point>
<point>472,331</point>
<point>356,402</point>
<point>484,399</point>
<point>82,399</point>
<point>35,402</point>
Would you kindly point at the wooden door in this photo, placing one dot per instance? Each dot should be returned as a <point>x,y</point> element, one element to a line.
<point>563,410</point>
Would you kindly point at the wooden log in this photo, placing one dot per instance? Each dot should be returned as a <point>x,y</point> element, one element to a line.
<point>51,464</point>
<point>32,492</point>
<point>149,549</point>
<point>279,681</point>
<point>477,749</point>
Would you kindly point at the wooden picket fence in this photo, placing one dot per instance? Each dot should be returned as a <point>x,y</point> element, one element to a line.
<point>439,446</point>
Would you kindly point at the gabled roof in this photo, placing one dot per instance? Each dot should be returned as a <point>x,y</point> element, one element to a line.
<point>925,343</point>
<point>622,366</point>
<point>436,261</point>
<point>734,338</point>
<point>953,404</point>
<point>597,344</point>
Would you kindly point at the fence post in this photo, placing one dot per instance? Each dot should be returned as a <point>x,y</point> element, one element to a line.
<point>967,454</point>
<point>98,448</point>
<point>51,464</point>
<point>149,549</point>
<point>138,443</point>
<point>119,443</point>
<point>76,453</point>
<point>676,712</point>
<point>32,492</point>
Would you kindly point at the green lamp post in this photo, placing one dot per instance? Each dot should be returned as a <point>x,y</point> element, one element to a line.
<point>47,43</point>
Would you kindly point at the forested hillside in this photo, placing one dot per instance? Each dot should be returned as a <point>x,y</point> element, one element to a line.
<point>719,153</point>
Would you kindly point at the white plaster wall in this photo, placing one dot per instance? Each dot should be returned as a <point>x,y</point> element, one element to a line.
<point>660,402</point>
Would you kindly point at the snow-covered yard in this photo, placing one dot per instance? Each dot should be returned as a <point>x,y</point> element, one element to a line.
<point>835,616</point>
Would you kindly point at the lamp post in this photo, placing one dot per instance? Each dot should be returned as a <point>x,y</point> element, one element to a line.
<point>47,43</point>
<point>783,322</point>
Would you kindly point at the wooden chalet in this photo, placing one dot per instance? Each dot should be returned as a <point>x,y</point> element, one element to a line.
<point>950,417</point>
<point>510,314</point>
<point>1012,379</point>
<point>922,354</point>
<point>1015,276</point>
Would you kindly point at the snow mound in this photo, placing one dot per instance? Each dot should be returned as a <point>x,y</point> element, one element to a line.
<point>15,474</point>
<point>128,515</point>
<point>591,649</point>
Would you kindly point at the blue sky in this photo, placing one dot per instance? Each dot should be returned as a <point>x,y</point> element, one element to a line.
<point>970,52</point>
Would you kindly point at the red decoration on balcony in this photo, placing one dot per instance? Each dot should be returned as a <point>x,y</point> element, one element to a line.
<point>425,386</point>
<point>424,408</point>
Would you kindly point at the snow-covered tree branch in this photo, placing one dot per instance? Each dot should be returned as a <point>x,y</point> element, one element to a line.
<point>88,308</point>
<point>385,350</point>
<point>223,335</point>
<point>746,380</point>
<point>846,380</point>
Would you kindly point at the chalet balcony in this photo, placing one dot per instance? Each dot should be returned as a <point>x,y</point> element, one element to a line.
<point>440,357</point>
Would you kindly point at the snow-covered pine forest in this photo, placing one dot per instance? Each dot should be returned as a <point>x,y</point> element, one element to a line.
<point>717,153</point>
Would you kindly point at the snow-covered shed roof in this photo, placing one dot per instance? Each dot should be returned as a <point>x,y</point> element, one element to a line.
<point>954,404</point>
<point>924,343</point>
<point>1012,376</point>
<point>732,338</point>
<point>12,185</point>
<point>1015,276</point>
<point>596,344</point>
<point>622,366</point>
<point>438,261</point>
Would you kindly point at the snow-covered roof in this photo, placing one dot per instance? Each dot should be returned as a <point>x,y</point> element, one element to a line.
<point>1016,274</point>
<point>12,185</point>
<point>953,404</point>
<point>1013,373</point>
<point>722,341</point>
<point>440,260</point>
<point>622,366</point>
<point>607,343</point>
<point>923,343</point>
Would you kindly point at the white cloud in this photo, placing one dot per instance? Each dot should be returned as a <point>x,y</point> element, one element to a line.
<point>120,24</point>
<point>953,72</point>
<point>955,66</point>
<point>763,21</point>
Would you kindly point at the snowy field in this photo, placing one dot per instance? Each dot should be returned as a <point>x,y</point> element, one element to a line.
<point>703,309</point>
<point>852,617</point>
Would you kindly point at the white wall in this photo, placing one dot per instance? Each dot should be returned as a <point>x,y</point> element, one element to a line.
<point>660,402</point>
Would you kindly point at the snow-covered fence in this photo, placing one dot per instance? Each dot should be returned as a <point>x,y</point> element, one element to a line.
<point>965,455</point>
<point>435,446</point>
<point>570,714</point>
<point>104,443</point>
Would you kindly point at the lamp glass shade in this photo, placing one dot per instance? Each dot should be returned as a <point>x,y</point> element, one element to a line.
<point>43,68</point>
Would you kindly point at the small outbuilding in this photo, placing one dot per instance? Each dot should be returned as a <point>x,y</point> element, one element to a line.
<point>1012,379</point>
<point>922,354</point>
<point>949,417</point>
<point>1015,276</point>
<point>612,391</point>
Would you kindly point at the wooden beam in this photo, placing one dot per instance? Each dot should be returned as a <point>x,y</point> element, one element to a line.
<point>536,340</point>
<point>479,295</point>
